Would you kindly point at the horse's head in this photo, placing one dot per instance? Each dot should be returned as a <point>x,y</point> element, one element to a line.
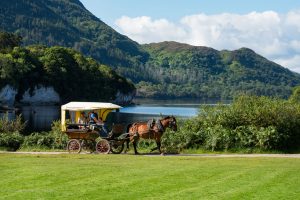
<point>171,122</point>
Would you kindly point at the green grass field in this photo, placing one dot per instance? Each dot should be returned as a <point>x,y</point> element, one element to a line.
<point>147,177</point>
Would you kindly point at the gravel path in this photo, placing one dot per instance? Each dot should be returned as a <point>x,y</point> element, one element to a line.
<point>195,155</point>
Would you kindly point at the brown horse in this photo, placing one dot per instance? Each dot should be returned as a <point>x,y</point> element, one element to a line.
<point>150,131</point>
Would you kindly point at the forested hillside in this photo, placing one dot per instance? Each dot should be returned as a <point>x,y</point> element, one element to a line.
<point>72,75</point>
<point>181,70</point>
<point>67,23</point>
<point>162,70</point>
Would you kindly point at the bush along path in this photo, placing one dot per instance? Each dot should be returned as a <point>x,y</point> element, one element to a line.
<point>250,124</point>
<point>13,138</point>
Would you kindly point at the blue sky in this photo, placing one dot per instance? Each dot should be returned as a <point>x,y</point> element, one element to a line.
<point>110,10</point>
<point>271,28</point>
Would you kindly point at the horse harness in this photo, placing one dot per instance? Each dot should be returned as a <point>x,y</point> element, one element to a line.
<point>151,124</point>
<point>151,127</point>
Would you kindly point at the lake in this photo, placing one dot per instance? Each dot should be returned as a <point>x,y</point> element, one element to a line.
<point>39,118</point>
<point>160,107</point>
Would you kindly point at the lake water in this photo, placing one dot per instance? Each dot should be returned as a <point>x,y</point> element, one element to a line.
<point>182,110</point>
<point>39,118</point>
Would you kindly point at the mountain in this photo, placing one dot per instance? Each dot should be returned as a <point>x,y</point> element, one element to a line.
<point>161,70</point>
<point>67,23</point>
<point>181,70</point>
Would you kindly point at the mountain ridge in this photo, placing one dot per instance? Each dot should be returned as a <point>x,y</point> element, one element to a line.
<point>68,23</point>
<point>227,73</point>
<point>159,70</point>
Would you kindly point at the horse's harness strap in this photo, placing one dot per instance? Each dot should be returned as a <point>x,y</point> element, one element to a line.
<point>150,124</point>
<point>159,125</point>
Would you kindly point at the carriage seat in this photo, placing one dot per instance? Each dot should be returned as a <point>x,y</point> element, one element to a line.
<point>78,127</point>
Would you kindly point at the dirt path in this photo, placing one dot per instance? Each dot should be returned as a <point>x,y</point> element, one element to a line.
<point>195,155</point>
<point>243,155</point>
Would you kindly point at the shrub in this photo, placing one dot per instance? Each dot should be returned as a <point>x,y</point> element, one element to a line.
<point>42,139</point>
<point>217,137</point>
<point>11,141</point>
<point>262,137</point>
<point>171,142</point>
<point>54,139</point>
<point>249,122</point>
<point>10,137</point>
<point>189,135</point>
<point>16,125</point>
<point>60,138</point>
<point>257,122</point>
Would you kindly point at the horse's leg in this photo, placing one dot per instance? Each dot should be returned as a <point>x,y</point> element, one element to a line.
<point>127,145</point>
<point>158,146</point>
<point>135,139</point>
<point>134,145</point>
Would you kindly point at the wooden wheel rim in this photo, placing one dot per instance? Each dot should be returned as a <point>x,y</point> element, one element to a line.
<point>74,146</point>
<point>116,147</point>
<point>103,147</point>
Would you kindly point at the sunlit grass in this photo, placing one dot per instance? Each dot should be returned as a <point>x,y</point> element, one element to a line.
<point>147,177</point>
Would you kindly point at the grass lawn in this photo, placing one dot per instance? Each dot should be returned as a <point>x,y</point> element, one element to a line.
<point>141,177</point>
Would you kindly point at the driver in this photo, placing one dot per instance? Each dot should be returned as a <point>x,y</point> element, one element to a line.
<point>96,122</point>
<point>94,119</point>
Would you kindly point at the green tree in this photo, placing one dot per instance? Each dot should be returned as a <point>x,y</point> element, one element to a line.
<point>72,75</point>
<point>295,97</point>
<point>8,41</point>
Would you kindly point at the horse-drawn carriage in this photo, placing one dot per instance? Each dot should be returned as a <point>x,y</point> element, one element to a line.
<point>83,135</point>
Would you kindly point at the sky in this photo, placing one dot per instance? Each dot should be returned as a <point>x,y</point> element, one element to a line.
<point>270,27</point>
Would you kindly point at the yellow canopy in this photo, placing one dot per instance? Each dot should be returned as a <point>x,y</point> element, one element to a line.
<point>103,109</point>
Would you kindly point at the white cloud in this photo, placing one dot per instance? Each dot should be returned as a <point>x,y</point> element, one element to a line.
<point>292,62</point>
<point>275,36</point>
<point>145,30</point>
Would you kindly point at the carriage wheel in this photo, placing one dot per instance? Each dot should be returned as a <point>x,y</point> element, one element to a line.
<point>116,147</point>
<point>103,146</point>
<point>74,146</point>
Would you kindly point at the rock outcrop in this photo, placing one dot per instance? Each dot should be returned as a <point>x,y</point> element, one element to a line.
<point>40,96</point>
<point>7,96</point>
<point>124,99</point>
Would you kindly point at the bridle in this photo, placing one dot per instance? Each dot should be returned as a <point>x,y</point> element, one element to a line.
<point>172,123</point>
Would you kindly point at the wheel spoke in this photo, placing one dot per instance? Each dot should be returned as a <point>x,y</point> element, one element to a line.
<point>103,146</point>
<point>74,146</point>
<point>116,146</point>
